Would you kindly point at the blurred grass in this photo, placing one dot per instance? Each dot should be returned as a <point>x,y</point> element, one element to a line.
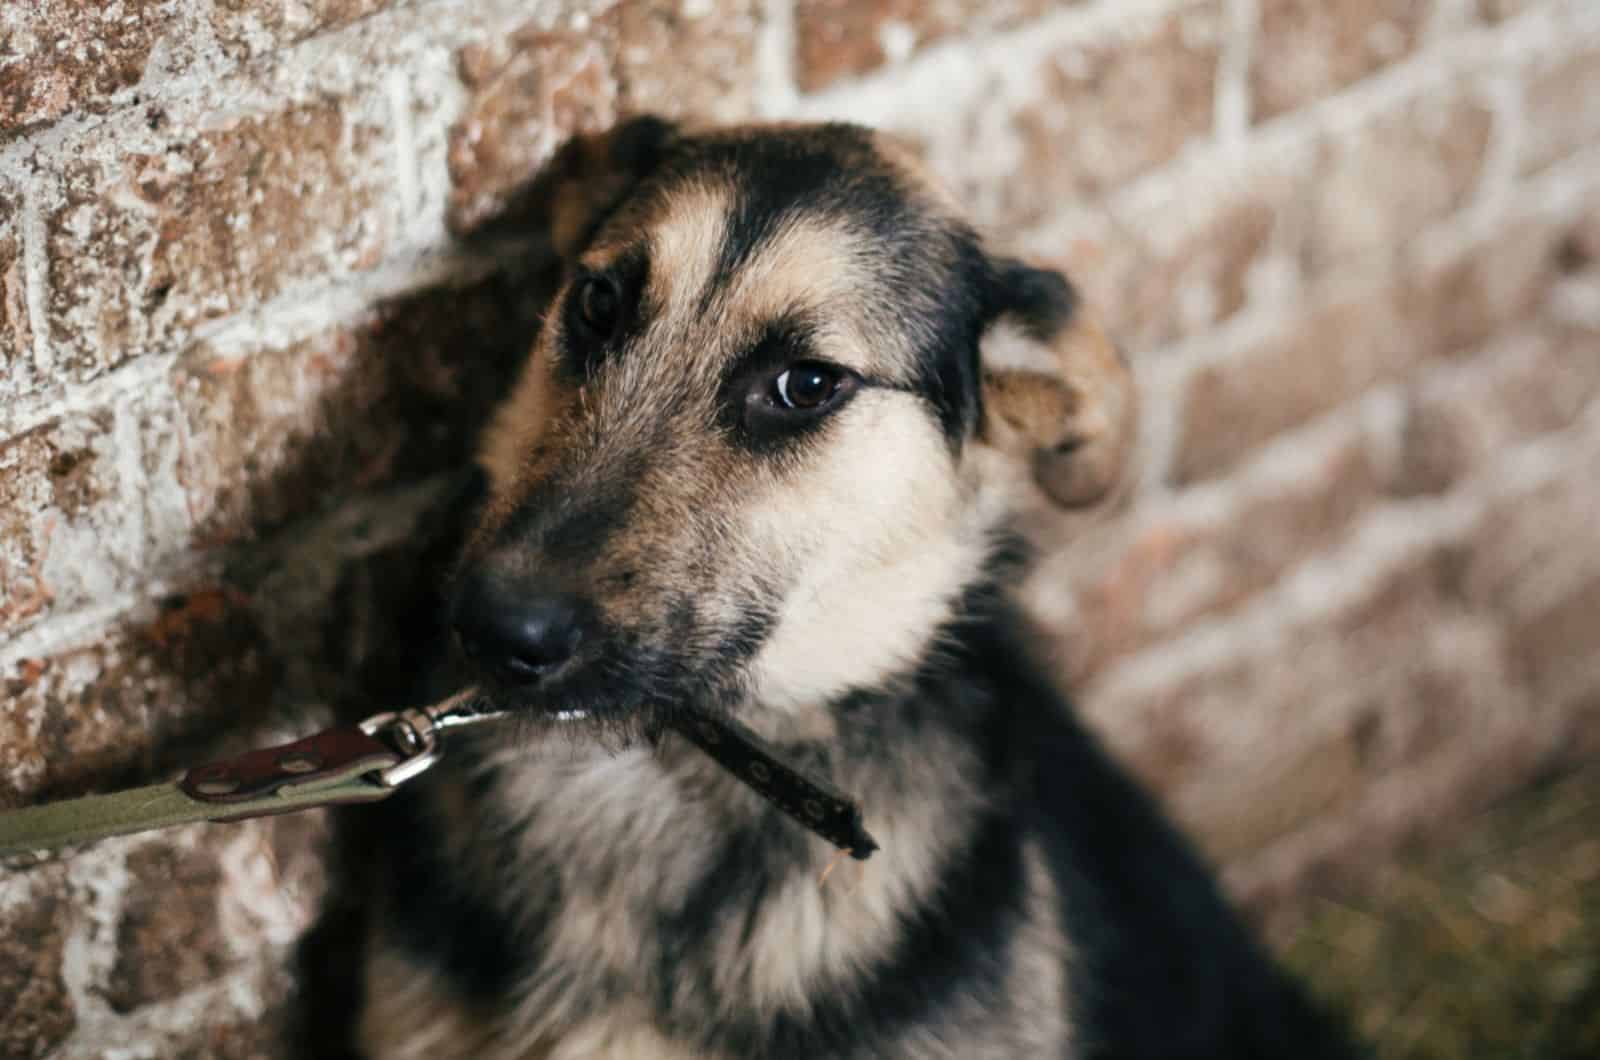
<point>1486,947</point>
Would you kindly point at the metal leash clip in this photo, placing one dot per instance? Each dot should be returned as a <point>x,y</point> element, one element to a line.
<point>414,732</point>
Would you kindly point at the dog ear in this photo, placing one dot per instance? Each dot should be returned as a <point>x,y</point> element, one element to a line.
<point>590,176</point>
<point>1057,392</point>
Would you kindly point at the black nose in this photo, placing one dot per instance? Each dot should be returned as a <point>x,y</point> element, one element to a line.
<point>520,633</point>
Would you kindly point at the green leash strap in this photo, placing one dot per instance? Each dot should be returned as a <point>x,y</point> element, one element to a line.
<point>92,817</point>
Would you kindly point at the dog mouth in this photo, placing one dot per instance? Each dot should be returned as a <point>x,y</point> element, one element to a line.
<point>592,689</point>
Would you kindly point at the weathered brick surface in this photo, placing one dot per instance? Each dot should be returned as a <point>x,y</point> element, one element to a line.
<point>1533,385</point>
<point>1399,680</point>
<point>528,93</point>
<point>1561,110</point>
<point>195,670</point>
<point>36,1014</point>
<point>168,937</point>
<point>59,56</point>
<point>1176,261</point>
<point>237,348</point>
<point>16,327</point>
<point>61,488</point>
<point>839,38</point>
<point>1087,116</point>
<point>1498,10</point>
<point>1433,150</point>
<point>1309,48</point>
<point>711,75</point>
<point>246,28</point>
<point>531,90</point>
<point>1531,562</point>
<point>1177,570</point>
<point>1334,353</point>
<point>270,435</point>
<point>211,221</point>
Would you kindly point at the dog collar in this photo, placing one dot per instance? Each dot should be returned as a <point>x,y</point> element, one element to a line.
<point>369,761</point>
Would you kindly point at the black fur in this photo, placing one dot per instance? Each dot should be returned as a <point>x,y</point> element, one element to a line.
<point>1160,968</point>
<point>1172,974</point>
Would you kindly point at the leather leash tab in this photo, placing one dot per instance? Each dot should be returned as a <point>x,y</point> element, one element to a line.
<point>825,811</point>
<point>327,756</point>
<point>367,762</point>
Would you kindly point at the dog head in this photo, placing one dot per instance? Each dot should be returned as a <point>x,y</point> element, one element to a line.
<point>746,463</point>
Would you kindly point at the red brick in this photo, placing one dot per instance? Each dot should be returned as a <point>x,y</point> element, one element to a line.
<point>36,1012</point>
<point>1499,10</point>
<point>148,246</point>
<point>271,435</point>
<point>1307,49</point>
<point>1457,306</point>
<point>1561,114</point>
<point>61,55</point>
<point>1159,271</point>
<point>1546,385</point>
<point>1176,573</point>
<point>1532,561</point>
<point>527,94</point>
<point>533,89</point>
<point>1382,184</point>
<point>67,57</point>
<point>1238,404</point>
<point>1555,639</point>
<point>246,28</point>
<point>692,59</point>
<point>66,538</point>
<point>839,38</point>
<point>1103,114</point>
<point>168,938</point>
<point>16,329</point>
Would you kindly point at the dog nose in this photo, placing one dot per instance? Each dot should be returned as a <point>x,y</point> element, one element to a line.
<point>519,634</point>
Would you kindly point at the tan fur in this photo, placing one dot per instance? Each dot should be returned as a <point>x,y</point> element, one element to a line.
<point>407,1015</point>
<point>1072,422</point>
<point>894,529</point>
<point>873,537</point>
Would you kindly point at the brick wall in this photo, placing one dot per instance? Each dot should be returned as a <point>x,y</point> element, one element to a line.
<point>1351,243</point>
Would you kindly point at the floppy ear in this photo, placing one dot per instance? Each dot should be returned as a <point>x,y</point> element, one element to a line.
<point>1057,392</point>
<point>589,177</point>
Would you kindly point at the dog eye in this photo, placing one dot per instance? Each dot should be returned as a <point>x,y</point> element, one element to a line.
<point>599,305</point>
<point>806,387</point>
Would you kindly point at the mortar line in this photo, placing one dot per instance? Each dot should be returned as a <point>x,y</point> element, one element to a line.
<point>1241,27</point>
<point>35,273</point>
<point>397,90</point>
<point>1497,182</point>
<point>778,88</point>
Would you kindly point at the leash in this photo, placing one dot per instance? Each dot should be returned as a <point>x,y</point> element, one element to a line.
<point>369,761</point>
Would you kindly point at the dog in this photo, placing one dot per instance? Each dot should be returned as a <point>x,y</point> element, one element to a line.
<point>761,466</point>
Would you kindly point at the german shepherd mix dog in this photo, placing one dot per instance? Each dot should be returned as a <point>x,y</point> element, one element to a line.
<point>757,467</point>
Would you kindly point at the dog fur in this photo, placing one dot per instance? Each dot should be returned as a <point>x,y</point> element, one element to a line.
<point>838,580</point>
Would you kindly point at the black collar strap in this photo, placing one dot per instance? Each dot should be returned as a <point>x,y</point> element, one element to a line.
<point>369,761</point>
<point>826,811</point>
